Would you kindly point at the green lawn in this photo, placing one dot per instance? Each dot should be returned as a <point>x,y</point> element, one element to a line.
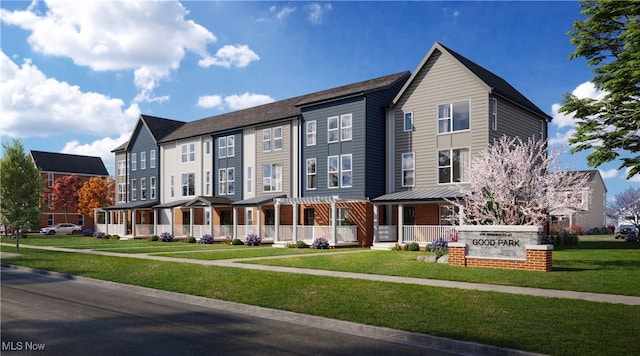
<point>537,324</point>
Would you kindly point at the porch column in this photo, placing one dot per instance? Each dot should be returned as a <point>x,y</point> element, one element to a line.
<point>155,222</point>
<point>334,226</point>
<point>191,211</point>
<point>235,222</point>
<point>277,217</point>
<point>400,224</point>
<point>210,222</point>
<point>376,223</point>
<point>133,222</point>
<point>173,218</point>
<point>259,218</point>
<point>295,222</point>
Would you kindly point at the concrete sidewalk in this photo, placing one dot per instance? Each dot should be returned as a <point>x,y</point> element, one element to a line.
<point>552,293</point>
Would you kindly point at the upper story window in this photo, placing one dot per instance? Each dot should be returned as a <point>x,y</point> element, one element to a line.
<point>172,186</point>
<point>345,171</point>
<point>339,128</point>
<point>345,127</point>
<point>453,165</point>
<point>332,129</point>
<point>311,132</point>
<point>312,174</point>
<point>184,153</point>
<point>541,129</point>
<point>277,138</point>
<point>266,140</point>
<point>453,116</point>
<point>408,121</point>
<point>249,179</point>
<point>143,188</point>
<point>272,178</point>
<point>134,189</point>
<point>134,161</point>
<point>339,171</point>
<point>192,152</point>
<point>143,160</point>
<point>122,196</point>
<point>188,184</point>
<point>152,159</point>
<point>188,152</point>
<point>222,147</point>
<point>231,146</point>
<point>494,114</point>
<point>50,179</point>
<point>226,181</point>
<point>207,182</point>
<point>121,168</point>
<point>408,169</point>
<point>153,188</point>
<point>207,146</point>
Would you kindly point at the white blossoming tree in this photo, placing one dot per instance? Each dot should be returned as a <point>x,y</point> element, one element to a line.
<point>625,206</point>
<point>517,182</point>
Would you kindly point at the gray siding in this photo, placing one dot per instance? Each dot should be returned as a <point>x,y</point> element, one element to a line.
<point>515,121</point>
<point>234,162</point>
<point>143,141</point>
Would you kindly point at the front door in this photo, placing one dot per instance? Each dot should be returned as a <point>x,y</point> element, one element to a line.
<point>186,222</point>
<point>408,221</point>
<point>309,221</point>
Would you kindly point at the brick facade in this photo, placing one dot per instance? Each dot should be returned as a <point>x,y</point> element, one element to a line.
<point>539,258</point>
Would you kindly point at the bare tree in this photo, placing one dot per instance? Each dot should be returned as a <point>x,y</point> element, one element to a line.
<point>625,206</point>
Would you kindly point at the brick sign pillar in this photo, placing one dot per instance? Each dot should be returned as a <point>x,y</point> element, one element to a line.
<point>500,246</point>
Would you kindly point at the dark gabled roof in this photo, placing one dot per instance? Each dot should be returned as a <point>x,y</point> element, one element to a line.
<point>68,163</point>
<point>498,85</point>
<point>160,127</point>
<point>122,147</point>
<point>279,110</point>
<point>419,195</point>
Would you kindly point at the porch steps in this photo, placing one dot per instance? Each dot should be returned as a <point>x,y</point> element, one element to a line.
<point>383,246</point>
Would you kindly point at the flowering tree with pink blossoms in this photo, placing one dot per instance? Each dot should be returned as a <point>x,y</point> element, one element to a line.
<point>517,182</point>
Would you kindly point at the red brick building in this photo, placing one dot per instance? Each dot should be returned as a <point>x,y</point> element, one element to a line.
<point>55,165</point>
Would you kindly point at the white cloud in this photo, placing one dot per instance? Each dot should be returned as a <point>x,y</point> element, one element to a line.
<point>115,35</point>
<point>227,56</point>
<point>209,101</point>
<point>284,13</point>
<point>561,138</point>
<point>317,11</point>
<point>34,105</point>
<point>100,148</point>
<point>609,173</point>
<point>635,179</point>
<point>246,100</point>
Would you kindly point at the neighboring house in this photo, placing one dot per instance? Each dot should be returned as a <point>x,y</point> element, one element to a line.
<point>342,163</point>
<point>137,178</point>
<point>450,110</point>
<point>56,165</point>
<point>592,211</point>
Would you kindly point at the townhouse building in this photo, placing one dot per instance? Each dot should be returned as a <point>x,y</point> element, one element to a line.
<point>368,163</point>
<point>57,165</point>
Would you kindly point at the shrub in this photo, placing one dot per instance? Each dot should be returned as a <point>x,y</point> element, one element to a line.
<point>166,237</point>
<point>301,244</point>
<point>99,235</point>
<point>321,243</point>
<point>396,247</point>
<point>87,232</point>
<point>237,242</point>
<point>154,238</point>
<point>114,237</point>
<point>107,236</point>
<point>191,240</point>
<point>206,239</point>
<point>252,240</point>
<point>412,246</point>
<point>440,246</point>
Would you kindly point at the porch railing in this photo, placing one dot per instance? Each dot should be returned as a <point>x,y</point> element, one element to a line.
<point>428,233</point>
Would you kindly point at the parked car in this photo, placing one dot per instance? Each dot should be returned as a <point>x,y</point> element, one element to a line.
<point>65,228</point>
<point>623,231</point>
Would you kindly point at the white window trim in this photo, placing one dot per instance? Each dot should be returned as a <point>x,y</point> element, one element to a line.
<point>275,181</point>
<point>494,114</point>
<point>330,172</point>
<point>192,152</point>
<point>450,118</point>
<point>344,128</point>
<point>343,171</point>
<point>311,133</point>
<point>184,184</point>
<point>277,139</point>
<point>266,139</point>
<point>231,146</point>
<point>134,189</point>
<point>143,188</point>
<point>152,183</point>
<point>184,153</point>
<point>451,165</point>
<point>222,147</point>
<point>404,121</point>
<point>231,180</point>
<point>315,174</point>
<point>330,130</point>
<point>152,159</point>
<point>413,168</point>
<point>134,161</point>
<point>222,181</point>
<point>250,179</point>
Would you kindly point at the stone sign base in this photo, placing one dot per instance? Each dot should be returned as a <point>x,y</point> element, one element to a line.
<point>538,258</point>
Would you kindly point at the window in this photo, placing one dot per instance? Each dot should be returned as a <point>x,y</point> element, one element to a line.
<point>494,114</point>
<point>345,171</point>
<point>311,133</point>
<point>152,159</point>
<point>143,188</point>
<point>50,219</point>
<point>172,186</point>
<point>249,179</point>
<point>134,189</point>
<point>449,215</point>
<point>207,182</point>
<point>121,168</point>
<point>249,215</point>
<point>80,220</point>
<point>231,146</point>
<point>222,181</point>
<point>332,129</point>
<point>272,177</point>
<point>231,179</point>
<point>453,117</point>
<point>222,147</point>
<point>50,178</point>
<point>332,172</point>
<point>408,169</point>
<point>345,127</point>
<point>153,188</point>
<point>277,138</point>
<point>188,184</point>
<point>266,140</point>
<point>122,196</point>
<point>207,146</point>
<point>452,165</point>
<point>311,173</point>
<point>541,129</point>
<point>184,154</point>
<point>50,201</point>
<point>343,216</point>
<point>192,152</point>
<point>134,161</point>
<point>143,160</point>
<point>408,121</point>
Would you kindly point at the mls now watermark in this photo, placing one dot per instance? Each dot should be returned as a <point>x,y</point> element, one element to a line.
<point>22,346</point>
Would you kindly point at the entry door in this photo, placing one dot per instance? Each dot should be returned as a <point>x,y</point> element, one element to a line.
<point>309,220</point>
<point>186,222</point>
<point>408,221</point>
<point>269,222</point>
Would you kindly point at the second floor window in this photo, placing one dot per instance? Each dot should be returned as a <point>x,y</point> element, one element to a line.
<point>121,168</point>
<point>207,146</point>
<point>222,147</point>
<point>494,114</point>
<point>226,181</point>
<point>408,169</point>
<point>272,178</point>
<point>453,116</point>
<point>339,171</point>
<point>188,152</point>
<point>122,195</point>
<point>311,133</point>
<point>408,121</point>
<point>152,159</point>
<point>453,165</point>
<point>51,178</point>
<point>172,186</point>
<point>226,146</point>
<point>339,128</point>
<point>188,184</point>
<point>134,161</point>
<point>311,174</point>
<point>143,189</point>
<point>153,188</point>
<point>143,160</point>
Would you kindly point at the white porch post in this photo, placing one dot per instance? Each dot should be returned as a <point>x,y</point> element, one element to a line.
<point>400,224</point>
<point>210,222</point>
<point>191,211</point>
<point>173,218</point>
<point>235,222</point>
<point>295,222</point>
<point>259,218</point>
<point>376,223</point>
<point>334,225</point>
<point>133,222</point>
<point>276,238</point>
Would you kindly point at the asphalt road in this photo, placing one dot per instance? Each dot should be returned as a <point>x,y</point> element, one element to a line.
<point>66,317</point>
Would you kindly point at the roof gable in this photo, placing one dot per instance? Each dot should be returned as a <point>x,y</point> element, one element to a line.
<point>68,163</point>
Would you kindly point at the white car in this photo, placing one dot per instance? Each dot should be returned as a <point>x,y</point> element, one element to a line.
<point>65,228</point>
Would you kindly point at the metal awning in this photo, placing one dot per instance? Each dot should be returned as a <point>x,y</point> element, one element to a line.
<point>419,195</point>
<point>132,205</point>
<point>259,200</point>
<point>209,201</point>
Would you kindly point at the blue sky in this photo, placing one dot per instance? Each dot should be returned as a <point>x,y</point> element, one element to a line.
<point>75,76</point>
